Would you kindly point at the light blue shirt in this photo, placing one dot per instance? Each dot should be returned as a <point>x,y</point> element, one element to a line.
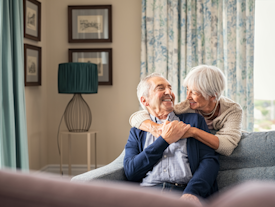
<point>174,165</point>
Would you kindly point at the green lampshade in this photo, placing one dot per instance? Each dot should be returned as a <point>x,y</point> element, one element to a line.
<point>77,78</point>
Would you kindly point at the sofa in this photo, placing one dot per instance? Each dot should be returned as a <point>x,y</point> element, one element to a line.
<point>42,190</point>
<point>253,159</point>
<point>246,179</point>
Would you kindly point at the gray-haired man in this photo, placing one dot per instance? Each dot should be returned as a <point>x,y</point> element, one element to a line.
<point>186,165</point>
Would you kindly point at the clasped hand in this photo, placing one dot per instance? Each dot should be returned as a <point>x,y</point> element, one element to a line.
<point>170,131</point>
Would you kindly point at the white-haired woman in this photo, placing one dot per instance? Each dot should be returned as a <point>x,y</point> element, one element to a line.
<point>204,84</point>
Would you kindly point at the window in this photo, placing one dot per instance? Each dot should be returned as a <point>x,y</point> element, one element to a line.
<point>264,66</point>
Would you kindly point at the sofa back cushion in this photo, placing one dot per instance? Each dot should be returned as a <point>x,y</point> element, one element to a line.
<point>256,149</point>
<point>253,159</point>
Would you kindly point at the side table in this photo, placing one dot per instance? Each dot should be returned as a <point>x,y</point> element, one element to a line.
<point>79,134</point>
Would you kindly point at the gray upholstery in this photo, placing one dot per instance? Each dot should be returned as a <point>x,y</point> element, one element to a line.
<point>255,149</point>
<point>113,171</point>
<point>253,159</point>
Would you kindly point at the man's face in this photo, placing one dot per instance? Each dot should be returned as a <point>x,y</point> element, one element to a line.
<point>161,98</point>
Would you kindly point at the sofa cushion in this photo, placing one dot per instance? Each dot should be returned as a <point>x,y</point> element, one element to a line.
<point>255,149</point>
<point>232,177</point>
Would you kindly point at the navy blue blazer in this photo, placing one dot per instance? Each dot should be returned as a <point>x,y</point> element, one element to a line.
<point>203,160</point>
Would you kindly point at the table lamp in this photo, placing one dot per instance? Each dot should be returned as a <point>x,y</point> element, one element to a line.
<point>77,79</point>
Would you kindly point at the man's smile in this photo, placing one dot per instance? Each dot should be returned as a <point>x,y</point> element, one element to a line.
<point>167,99</point>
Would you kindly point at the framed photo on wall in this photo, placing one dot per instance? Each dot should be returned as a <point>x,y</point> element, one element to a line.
<point>32,65</point>
<point>102,57</point>
<point>32,19</point>
<point>90,23</point>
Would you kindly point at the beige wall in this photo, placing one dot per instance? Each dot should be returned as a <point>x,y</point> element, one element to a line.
<point>111,106</point>
<point>36,106</point>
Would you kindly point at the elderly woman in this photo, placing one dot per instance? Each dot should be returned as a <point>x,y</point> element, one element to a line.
<point>204,84</point>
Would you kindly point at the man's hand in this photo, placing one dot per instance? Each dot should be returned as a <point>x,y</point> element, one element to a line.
<point>192,198</point>
<point>173,131</point>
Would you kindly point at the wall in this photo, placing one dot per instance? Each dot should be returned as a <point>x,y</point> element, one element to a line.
<point>111,106</point>
<point>36,105</point>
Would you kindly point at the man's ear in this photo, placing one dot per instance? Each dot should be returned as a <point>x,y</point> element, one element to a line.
<point>143,101</point>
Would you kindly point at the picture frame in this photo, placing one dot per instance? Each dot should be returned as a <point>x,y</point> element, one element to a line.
<point>91,23</point>
<point>32,65</point>
<point>32,19</point>
<point>100,56</point>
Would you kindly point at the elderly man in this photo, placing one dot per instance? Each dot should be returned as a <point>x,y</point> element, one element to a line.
<point>167,161</point>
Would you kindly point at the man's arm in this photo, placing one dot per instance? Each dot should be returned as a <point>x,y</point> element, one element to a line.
<point>137,162</point>
<point>203,161</point>
<point>206,173</point>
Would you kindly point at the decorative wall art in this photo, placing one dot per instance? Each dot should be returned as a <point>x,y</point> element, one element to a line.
<point>32,61</point>
<point>90,23</point>
<point>32,19</point>
<point>102,57</point>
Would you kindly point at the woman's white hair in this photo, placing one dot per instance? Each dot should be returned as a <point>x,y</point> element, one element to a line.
<point>144,87</point>
<point>208,80</point>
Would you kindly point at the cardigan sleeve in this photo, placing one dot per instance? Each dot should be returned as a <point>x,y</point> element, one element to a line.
<point>138,117</point>
<point>230,133</point>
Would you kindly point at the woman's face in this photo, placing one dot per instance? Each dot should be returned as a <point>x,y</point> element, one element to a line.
<point>197,101</point>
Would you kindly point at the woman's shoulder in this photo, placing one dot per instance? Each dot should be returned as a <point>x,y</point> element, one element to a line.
<point>228,104</point>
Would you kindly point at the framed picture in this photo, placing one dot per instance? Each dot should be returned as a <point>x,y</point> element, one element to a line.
<point>90,23</point>
<point>102,57</point>
<point>32,61</point>
<point>32,19</point>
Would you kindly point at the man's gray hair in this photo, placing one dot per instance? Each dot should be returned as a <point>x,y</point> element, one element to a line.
<point>208,80</point>
<point>144,87</point>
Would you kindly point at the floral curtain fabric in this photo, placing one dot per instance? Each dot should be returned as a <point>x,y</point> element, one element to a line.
<point>180,34</point>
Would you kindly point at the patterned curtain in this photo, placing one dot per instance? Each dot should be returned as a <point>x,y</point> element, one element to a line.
<point>180,34</point>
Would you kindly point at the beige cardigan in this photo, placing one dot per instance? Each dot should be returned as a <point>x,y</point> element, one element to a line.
<point>228,123</point>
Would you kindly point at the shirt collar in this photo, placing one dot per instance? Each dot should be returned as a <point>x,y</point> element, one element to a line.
<point>170,117</point>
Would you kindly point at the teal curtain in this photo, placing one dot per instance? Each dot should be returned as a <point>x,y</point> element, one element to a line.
<point>13,130</point>
<point>180,34</point>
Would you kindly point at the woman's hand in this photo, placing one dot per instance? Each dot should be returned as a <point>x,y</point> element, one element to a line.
<point>189,133</point>
<point>173,131</point>
<point>156,129</point>
<point>152,127</point>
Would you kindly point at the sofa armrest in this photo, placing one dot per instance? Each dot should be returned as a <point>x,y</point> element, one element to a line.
<point>112,171</point>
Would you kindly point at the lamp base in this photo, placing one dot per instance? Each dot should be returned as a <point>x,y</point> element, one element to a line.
<point>78,116</point>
